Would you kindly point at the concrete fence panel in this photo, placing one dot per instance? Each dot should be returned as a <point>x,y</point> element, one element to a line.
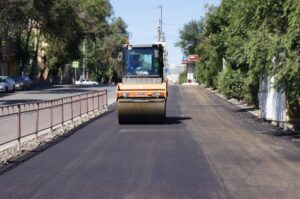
<point>76,108</point>
<point>19,121</point>
<point>8,128</point>
<point>28,123</point>
<point>101,100</point>
<point>90,102</point>
<point>28,119</point>
<point>44,121</point>
<point>104,97</point>
<point>96,102</point>
<point>67,108</point>
<point>57,112</point>
<point>83,105</point>
<point>67,112</point>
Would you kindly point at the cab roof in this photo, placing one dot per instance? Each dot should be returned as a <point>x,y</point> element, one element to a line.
<point>141,45</point>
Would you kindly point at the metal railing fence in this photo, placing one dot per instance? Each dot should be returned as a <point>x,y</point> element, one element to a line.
<point>18,121</point>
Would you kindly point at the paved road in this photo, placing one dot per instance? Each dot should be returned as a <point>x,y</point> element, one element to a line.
<point>53,92</point>
<point>207,149</point>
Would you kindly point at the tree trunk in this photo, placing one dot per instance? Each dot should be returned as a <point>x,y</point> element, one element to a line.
<point>25,55</point>
<point>34,67</point>
<point>46,62</point>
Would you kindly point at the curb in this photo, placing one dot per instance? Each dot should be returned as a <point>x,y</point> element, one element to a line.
<point>256,112</point>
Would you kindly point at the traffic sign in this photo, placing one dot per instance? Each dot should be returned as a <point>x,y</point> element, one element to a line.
<point>185,59</point>
<point>166,70</point>
<point>75,64</point>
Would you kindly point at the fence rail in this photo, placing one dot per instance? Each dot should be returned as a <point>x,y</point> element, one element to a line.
<point>18,121</point>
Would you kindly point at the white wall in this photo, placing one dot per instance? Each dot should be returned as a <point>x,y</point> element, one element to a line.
<point>173,73</point>
<point>190,72</point>
<point>272,102</point>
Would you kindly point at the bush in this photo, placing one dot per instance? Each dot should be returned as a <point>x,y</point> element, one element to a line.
<point>183,77</point>
<point>230,83</point>
<point>207,75</point>
<point>250,89</point>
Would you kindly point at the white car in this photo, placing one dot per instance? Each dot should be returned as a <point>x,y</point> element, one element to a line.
<point>86,82</point>
<point>7,84</point>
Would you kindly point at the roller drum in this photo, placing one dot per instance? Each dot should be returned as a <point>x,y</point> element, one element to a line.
<point>141,111</point>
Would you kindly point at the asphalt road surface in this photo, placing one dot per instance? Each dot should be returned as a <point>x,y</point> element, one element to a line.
<point>208,148</point>
<point>54,92</point>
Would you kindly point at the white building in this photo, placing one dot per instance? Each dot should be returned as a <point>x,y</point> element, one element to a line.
<point>190,63</point>
<point>172,72</point>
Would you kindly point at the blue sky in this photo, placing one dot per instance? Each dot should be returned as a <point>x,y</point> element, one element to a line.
<point>142,16</point>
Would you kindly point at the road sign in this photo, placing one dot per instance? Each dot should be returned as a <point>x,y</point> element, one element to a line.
<point>193,58</point>
<point>75,64</point>
<point>185,59</point>
<point>166,70</point>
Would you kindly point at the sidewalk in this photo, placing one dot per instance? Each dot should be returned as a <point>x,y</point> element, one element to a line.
<point>239,103</point>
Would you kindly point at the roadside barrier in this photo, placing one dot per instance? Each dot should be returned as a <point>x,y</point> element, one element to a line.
<point>24,120</point>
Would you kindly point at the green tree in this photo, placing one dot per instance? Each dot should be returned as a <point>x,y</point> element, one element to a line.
<point>64,26</point>
<point>255,38</point>
<point>190,36</point>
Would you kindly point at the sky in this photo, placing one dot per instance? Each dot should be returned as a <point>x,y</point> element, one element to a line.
<point>141,17</point>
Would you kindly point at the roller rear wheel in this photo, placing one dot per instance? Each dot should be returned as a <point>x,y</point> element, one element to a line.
<point>141,112</point>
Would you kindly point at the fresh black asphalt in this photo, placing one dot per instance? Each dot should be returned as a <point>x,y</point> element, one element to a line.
<point>206,149</point>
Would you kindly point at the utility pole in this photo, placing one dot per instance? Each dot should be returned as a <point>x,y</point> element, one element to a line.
<point>84,59</point>
<point>158,31</point>
<point>161,21</point>
<point>159,26</point>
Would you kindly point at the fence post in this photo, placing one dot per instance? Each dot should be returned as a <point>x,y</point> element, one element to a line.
<point>93,102</point>
<point>51,114</point>
<point>62,111</point>
<point>102,100</point>
<point>19,127</point>
<point>72,114</point>
<point>106,98</point>
<point>99,101</point>
<point>87,104</point>
<point>37,119</point>
<point>80,105</point>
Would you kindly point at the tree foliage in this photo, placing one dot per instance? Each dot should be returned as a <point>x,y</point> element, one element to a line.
<point>230,82</point>
<point>257,38</point>
<point>183,77</point>
<point>190,36</point>
<point>64,25</point>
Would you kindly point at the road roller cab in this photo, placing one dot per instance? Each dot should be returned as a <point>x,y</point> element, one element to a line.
<point>142,95</point>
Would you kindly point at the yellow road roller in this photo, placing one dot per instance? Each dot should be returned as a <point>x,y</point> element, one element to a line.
<point>142,95</point>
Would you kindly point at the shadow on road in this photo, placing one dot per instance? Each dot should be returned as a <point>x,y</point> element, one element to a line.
<point>169,121</point>
<point>5,94</point>
<point>62,91</point>
<point>287,134</point>
<point>243,110</point>
<point>176,120</point>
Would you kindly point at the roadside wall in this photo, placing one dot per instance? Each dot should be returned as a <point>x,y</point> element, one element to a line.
<point>24,125</point>
<point>272,102</point>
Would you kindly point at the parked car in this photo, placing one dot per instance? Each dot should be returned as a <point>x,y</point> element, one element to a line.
<point>86,82</point>
<point>7,84</point>
<point>22,82</point>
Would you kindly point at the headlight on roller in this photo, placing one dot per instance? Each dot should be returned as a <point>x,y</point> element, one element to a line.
<point>125,95</point>
<point>155,94</point>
